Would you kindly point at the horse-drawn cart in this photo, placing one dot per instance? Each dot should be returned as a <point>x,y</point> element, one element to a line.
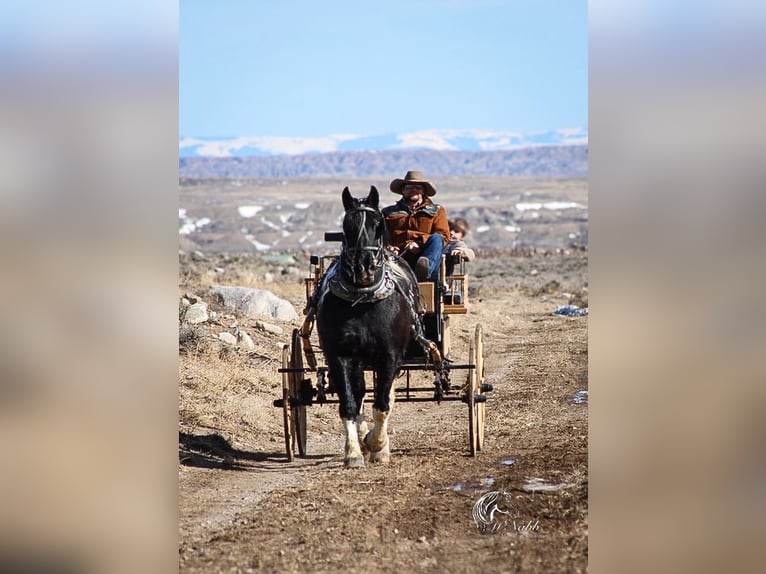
<point>307,378</point>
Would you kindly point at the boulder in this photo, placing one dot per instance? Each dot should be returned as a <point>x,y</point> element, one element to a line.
<point>245,341</point>
<point>227,338</point>
<point>268,328</point>
<point>254,303</point>
<point>196,313</point>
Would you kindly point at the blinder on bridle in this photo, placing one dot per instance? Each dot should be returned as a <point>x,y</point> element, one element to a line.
<point>350,255</point>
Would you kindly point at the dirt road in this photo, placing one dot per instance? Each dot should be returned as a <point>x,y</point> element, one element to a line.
<point>243,508</point>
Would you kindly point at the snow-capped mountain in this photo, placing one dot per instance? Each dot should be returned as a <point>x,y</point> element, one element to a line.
<point>442,140</point>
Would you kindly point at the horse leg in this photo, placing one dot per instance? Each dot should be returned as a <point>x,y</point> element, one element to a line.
<point>361,425</point>
<point>353,453</point>
<point>377,439</point>
<point>342,372</point>
<point>358,390</point>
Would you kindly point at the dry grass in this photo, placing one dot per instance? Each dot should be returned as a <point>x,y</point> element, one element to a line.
<point>193,340</point>
<point>227,389</point>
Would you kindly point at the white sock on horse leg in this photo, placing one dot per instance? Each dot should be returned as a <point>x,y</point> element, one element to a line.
<point>353,450</point>
<point>378,438</point>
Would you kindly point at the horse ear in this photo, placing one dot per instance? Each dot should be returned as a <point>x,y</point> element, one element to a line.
<point>374,198</point>
<point>348,201</point>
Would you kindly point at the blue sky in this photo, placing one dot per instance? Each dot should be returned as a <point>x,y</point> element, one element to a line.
<point>306,68</point>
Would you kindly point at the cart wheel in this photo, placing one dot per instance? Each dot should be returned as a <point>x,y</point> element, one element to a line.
<point>286,403</point>
<point>479,382</point>
<point>473,439</point>
<point>475,393</point>
<point>297,410</point>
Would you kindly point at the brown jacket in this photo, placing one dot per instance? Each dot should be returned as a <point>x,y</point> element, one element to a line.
<point>405,225</point>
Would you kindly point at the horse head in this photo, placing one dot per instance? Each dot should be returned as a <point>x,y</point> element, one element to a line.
<point>364,226</point>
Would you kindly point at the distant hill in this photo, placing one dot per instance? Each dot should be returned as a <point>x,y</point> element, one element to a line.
<point>569,160</point>
<point>436,139</point>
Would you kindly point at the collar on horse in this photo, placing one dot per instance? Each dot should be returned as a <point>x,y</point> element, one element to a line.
<point>392,278</point>
<point>378,291</point>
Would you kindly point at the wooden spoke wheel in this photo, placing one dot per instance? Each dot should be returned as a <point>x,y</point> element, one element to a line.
<point>297,408</point>
<point>476,396</point>
<point>286,403</point>
<point>479,382</point>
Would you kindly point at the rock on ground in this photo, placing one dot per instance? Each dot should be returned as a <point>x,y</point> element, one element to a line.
<point>255,303</point>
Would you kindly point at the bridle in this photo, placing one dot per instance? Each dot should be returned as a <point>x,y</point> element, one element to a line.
<point>350,255</point>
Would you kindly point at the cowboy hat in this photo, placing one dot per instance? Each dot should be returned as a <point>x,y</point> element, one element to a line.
<point>413,177</point>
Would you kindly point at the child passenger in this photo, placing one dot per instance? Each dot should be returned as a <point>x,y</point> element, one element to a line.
<point>456,250</point>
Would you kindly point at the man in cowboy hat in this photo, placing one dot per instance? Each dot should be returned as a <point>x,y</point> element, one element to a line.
<point>417,227</point>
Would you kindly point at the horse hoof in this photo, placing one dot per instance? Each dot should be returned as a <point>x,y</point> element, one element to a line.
<point>356,462</point>
<point>374,446</point>
<point>382,456</point>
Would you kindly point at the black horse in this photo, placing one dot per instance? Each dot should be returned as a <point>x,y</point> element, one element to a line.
<point>366,316</point>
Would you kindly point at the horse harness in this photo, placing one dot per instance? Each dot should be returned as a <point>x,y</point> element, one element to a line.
<point>393,277</point>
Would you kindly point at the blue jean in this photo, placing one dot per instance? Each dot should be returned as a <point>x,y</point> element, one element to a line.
<point>433,251</point>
